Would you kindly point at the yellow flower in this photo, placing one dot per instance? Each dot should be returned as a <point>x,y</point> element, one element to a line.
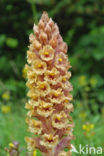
<point>82,80</point>
<point>84,127</point>
<point>34,153</point>
<point>5,109</point>
<point>87,127</point>
<point>6,96</point>
<point>11,145</point>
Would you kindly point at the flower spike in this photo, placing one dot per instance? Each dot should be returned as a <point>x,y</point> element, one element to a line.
<point>49,95</point>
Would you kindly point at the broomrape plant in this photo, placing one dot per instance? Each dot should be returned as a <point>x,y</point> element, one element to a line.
<point>49,95</point>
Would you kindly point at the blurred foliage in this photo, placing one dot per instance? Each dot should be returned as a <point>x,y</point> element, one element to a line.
<point>81,25</point>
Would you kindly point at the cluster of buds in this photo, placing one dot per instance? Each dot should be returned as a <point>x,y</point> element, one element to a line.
<point>49,95</point>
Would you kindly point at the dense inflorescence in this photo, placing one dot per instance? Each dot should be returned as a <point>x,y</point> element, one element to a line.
<point>49,95</point>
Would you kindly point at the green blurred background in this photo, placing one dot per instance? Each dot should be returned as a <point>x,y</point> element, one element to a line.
<point>81,25</point>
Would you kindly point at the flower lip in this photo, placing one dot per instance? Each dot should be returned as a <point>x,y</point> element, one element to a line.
<point>56,96</point>
<point>61,61</point>
<point>35,126</point>
<point>47,53</point>
<point>59,121</point>
<point>43,88</point>
<point>45,109</point>
<point>31,56</point>
<point>39,67</point>
<point>49,140</point>
<point>51,76</point>
<point>30,143</point>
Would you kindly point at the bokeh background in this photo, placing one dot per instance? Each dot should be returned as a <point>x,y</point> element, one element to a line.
<point>81,24</point>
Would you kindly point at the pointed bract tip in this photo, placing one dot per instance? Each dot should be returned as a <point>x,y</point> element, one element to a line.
<point>45,17</point>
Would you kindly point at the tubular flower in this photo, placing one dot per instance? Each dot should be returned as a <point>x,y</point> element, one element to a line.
<point>35,126</point>
<point>45,109</point>
<point>60,120</point>
<point>61,61</point>
<point>49,141</point>
<point>51,76</point>
<point>39,67</point>
<point>47,53</point>
<point>49,104</point>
